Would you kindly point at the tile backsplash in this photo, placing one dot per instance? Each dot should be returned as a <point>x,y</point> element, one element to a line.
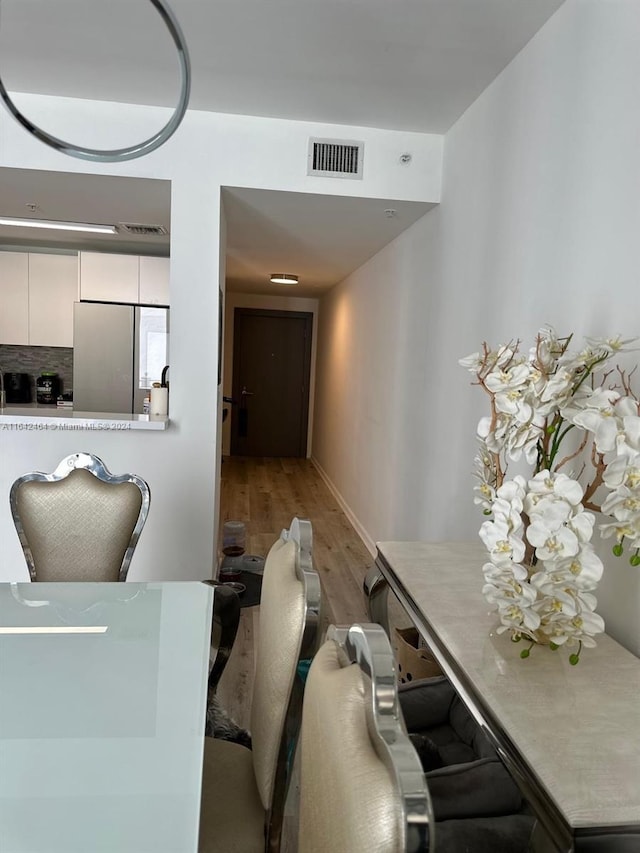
<point>33,360</point>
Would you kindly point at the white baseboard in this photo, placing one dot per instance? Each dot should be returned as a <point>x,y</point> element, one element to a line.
<point>355,523</point>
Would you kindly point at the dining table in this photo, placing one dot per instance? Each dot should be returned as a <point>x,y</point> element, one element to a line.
<point>103,693</point>
<point>569,734</point>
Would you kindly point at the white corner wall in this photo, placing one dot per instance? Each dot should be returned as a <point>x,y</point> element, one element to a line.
<point>538,223</point>
<point>207,152</point>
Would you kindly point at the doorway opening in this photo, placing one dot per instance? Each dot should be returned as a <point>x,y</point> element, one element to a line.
<point>271,379</point>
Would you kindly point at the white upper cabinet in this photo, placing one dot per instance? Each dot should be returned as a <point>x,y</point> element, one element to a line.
<point>38,290</point>
<point>109,278</point>
<point>14,298</point>
<point>124,278</point>
<point>53,288</point>
<point>154,281</point>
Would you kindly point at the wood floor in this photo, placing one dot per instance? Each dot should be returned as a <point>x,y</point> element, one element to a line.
<point>266,494</point>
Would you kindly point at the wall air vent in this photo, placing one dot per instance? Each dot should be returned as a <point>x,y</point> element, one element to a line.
<point>335,158</point>
<point>142,230</point>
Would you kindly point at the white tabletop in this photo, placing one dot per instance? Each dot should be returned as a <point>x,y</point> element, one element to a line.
<point>102,705</point>
<point>576,728</point>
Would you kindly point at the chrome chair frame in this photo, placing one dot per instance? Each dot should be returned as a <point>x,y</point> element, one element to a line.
<point>94,465</point>
<point>367,645</point>
<point>224,628</point>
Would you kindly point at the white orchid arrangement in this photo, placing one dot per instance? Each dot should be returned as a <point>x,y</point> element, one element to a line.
<point>543,569</point>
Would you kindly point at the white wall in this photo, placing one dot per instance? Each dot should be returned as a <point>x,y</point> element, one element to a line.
<point>207,152</point>
<point>539,223</point>
<point>235,300</point>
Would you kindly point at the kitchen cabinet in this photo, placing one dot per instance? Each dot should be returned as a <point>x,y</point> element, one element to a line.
<point>14,298</point>
<point>124,278</point>
<point>53,289</point>
<point>109,278</point>
<point>37,292</point>
<point>153,285</point>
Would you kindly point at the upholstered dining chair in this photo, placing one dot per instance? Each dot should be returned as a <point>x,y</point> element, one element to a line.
<point>362,786</point>
<point>244,791</point>
<point>80,523</point>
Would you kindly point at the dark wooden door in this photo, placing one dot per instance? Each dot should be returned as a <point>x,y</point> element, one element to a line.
<point>271,369</point>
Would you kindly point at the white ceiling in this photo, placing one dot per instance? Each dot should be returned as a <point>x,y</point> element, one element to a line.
<point>404,64</point>
<point>306,235</point>
<point>73,197</point>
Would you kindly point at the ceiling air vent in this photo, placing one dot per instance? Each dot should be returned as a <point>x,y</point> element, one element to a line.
<point>142,230</point>
<point>335,158</point>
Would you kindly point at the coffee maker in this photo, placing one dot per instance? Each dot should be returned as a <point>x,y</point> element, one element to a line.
<point>17,387</point>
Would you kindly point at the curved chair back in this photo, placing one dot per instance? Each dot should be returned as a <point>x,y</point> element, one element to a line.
<point>288,634</point>
<point>362,784</point>
<point>80,523</point>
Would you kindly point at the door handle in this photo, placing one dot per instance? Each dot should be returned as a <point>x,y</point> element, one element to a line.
<point>246,393</point>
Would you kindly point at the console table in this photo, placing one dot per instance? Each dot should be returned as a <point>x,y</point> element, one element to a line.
<point>570,735</point>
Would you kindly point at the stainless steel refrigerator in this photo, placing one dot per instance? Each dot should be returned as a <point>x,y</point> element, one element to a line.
<point>118,352</point>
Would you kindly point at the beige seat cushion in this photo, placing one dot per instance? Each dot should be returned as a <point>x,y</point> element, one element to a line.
<point>232,817</point>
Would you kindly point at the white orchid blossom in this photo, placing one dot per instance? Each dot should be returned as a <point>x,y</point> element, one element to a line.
<point>628,436</point>
<point>558,388</point>
<point>499,358</point>
<point>514,492</point>
<point>624,470</point>
<point>560,486</point>
<point>622,529</point>
<point>597,415</point>
<point>552,544</point>
<point>543,570</point>
<point>623,504</point>
<point>485,473</point>
<point>524,438</point>
<point>612,345</point>
<point>578,628</point>
<point>580,572</point>
<point>503,546</point>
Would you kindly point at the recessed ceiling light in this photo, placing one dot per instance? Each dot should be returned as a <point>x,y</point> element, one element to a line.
<point>283,278</point>
<point>58,225</point>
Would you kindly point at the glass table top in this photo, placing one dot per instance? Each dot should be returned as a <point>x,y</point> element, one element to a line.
<point>102,706</point>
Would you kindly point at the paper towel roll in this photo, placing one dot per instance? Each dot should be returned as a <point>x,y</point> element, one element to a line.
<point>159,403</point>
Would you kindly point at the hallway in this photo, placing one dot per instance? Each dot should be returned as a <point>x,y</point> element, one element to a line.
<point>266,493</point>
